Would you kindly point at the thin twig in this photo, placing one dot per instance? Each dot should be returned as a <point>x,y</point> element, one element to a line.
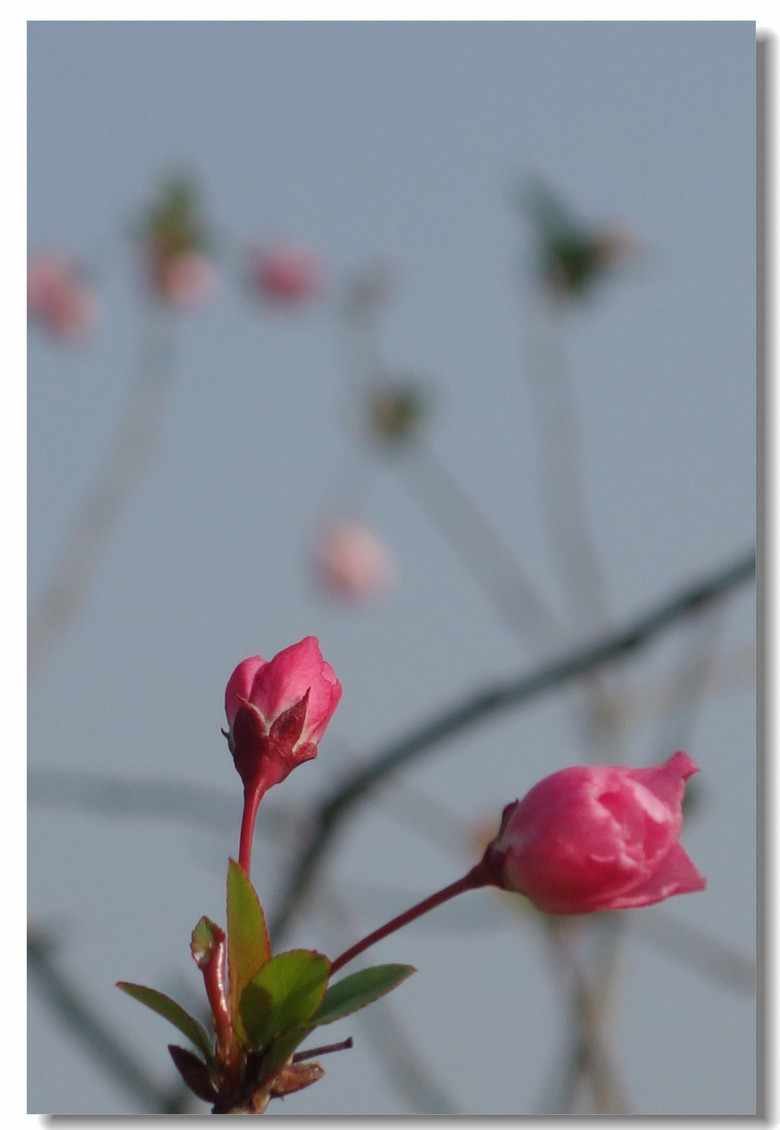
<point>106,501</point>
<point>489,560</point>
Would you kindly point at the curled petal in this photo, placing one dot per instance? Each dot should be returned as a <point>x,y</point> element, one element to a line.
<point>676,874</point>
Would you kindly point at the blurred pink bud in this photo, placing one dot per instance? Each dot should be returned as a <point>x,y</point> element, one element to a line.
<point>184,279</point>
<point>353,562</point>
<point>286,273</point>
<point>59,297</point>
<point>597,838</point>
<point>278,711</point>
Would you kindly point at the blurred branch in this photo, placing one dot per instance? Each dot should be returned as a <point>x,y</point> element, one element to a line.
<point>727,673</point>
<point>689,683</point>
<point>330,814</point>
<point>395,1050</point>
<point>69,1003</point>
<point>697,948</point>
<point>485,554</point>
<point>561,477</point>
<point>105,503</point>
<point>123,796</point>
<point>454,512</point>
<point>588,1061</point>
<point>131,797</point>
<point>152,798</point>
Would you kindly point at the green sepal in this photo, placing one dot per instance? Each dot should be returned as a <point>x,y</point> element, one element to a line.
<point>248,946</point>
<point>173,1012</point>
<point>358,990</point>
<point>284,994</point>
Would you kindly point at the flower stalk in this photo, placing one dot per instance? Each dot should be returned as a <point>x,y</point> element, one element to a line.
<point>252,798</point>
<point>478,876</point>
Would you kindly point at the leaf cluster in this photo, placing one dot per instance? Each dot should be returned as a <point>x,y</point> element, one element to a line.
<point>273,1003</point>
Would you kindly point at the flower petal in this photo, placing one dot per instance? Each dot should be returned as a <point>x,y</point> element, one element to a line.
<point>240,684</point>
<point>287,678</point>
<point>676,875</point>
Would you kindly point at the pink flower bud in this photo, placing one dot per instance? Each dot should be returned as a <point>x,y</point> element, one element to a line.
<point>286,274</point>
<point>185,279</point>
<point>278,711</point>
<point>597,838</point>
<point>59,298</point>
<point>353,562</point>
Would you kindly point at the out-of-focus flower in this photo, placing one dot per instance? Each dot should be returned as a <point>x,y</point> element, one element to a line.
<point>184,280</point>
<point>174,240</point>
<point>59,297</point>
<point>277,711</point>
<point>285,273</point>
<point>596,838</point>
<point>352,561</point>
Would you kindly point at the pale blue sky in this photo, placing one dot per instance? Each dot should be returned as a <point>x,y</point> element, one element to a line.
<point>402,141</point>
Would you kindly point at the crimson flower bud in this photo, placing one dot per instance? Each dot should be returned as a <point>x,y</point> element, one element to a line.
<point>278,711</point>
<point>596,838</point>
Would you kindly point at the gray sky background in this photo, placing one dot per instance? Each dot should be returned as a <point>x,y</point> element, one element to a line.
<point>396,141</point>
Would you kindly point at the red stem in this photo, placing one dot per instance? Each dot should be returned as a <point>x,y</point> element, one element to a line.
<point>252,797</point>
<point>479,876</point>
<point>216,991</point>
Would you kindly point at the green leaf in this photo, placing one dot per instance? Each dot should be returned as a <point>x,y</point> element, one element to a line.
<point>358,990</point>
<point>279,1051</point>
<point>248,945</point>
<point>284,994</point>
<point>349,995</point>
<point>170,1010</point>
